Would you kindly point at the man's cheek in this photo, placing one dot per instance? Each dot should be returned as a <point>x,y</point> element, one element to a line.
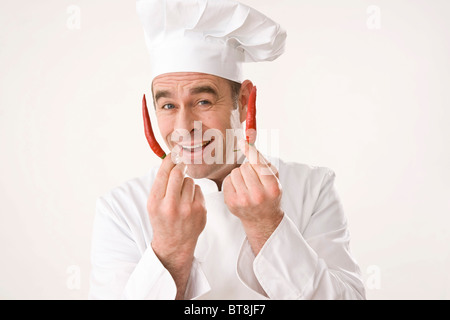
<point>165,130</point>
<point>180,137</point>
<point>214,153</point>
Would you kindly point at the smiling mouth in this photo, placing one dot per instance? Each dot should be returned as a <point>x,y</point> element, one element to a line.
<point>196,147</point>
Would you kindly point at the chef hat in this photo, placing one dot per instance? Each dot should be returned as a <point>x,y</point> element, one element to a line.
<point>207,36</point>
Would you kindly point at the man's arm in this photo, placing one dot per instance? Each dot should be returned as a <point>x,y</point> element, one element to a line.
<point>253,193</point>
<point>277,260</point>
<point>292,267</point>
<point>120,268</point>
<point>167,268</point>
<point>177,212</point>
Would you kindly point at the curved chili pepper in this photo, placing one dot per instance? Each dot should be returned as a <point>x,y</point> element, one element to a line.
<point>154,145</point>
<point>250,130</point>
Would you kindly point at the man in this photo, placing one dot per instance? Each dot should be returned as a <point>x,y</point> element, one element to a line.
<point>211,225</point>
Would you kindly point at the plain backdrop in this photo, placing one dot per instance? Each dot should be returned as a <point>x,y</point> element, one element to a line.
<point>363,89</point>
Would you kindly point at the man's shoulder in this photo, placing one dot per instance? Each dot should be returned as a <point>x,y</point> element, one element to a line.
<point>133,189</point>
<point>303,184</point>
<point>303,173</point>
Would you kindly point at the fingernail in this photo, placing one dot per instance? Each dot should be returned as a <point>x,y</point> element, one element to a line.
<point>176,157</point>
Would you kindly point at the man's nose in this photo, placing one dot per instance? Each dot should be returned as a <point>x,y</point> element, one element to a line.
<point>184,120</point>
<point>186,127</point>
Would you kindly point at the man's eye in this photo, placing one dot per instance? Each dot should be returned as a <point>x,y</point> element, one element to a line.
<point>204,102</point>
<point>168,106</point>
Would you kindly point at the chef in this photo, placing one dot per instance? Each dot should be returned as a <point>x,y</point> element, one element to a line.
<point>240,229</point>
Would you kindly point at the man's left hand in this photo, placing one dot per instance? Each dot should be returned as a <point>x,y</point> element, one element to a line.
<point>253,193</point>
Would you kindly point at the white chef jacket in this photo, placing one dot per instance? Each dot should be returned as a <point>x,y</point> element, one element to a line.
<point>306,257</point>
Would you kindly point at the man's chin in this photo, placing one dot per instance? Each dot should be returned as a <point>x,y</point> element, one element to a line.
<point>201,171</point>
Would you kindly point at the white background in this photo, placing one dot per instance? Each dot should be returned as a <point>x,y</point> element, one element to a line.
<point>373,104</point>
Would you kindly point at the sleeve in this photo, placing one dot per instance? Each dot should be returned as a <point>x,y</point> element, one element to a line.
<point>121,271</point>
<point>315,264</point>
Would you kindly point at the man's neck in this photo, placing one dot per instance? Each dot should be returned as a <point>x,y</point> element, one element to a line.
<point>219,180</point>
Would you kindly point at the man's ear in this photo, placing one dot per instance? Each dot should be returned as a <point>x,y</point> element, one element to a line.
<point>244,94</point>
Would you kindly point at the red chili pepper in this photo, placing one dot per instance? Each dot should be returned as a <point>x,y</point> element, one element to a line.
<point>154,145</point>
<point>250,130</point>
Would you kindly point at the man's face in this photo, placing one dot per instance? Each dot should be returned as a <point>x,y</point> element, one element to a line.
<point>194,113</point>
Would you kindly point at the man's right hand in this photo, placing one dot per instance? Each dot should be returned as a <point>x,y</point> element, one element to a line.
<point>177,213</point>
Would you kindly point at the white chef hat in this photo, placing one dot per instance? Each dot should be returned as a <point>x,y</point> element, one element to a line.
<point>207,36</point>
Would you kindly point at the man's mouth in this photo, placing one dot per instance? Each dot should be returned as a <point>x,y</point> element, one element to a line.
<point>195,147</point>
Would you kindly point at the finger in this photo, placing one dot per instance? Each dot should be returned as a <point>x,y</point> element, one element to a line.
<point>227,185</point>
<point>188,190</point>
<point>229,192</point>
<point>261,165</point>
<point>198,194</point>
<point>267,169</point>
<point>176,154</point>
<point>251,177</point>
<point>238,181</point>
<point>251,153</point>
<point>175,182</point>
<point>162,177</point>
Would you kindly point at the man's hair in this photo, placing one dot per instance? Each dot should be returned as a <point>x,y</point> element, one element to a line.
<point>235,90</point>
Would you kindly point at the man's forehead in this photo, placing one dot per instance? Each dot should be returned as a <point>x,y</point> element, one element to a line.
<point>187,80</point>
